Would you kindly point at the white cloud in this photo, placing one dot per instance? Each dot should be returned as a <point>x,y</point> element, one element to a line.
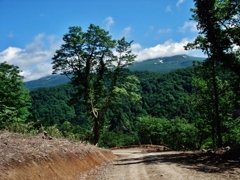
<point>179,2</point>
<point>35,59</point>
<point>136,47</point>
<point>126,32</point>
<point>168,48</point>
<point>168,8</point>
<point>108,22</point>
<point>189,25</point>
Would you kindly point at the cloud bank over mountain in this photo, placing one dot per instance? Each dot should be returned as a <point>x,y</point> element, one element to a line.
<point>35,59</point>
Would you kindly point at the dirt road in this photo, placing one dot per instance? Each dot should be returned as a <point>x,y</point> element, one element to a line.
<point>138,164</point>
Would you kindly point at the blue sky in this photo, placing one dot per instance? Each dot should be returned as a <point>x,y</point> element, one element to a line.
<point>31,30</point>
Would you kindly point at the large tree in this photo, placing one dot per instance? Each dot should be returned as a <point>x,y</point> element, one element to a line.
<point>213,98</point>
<point>14,98</point>
<point>96,65</point>
<point>219,29</point>
<point>218,25</point>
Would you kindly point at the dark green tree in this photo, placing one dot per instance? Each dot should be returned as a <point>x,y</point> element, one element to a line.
<point>218,25</point>
<point>96,72</point>
<point>153,130</point>
<point>14,98</point>
<point>213,98</point>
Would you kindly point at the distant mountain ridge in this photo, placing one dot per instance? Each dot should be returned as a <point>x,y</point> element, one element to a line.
<point>161,65</point>
<point>165,64</point>
<point>47,81</point>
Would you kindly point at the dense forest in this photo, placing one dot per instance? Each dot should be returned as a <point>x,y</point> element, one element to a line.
<point>167,114</point>
<point>165,98</point>
<point>107,104</point>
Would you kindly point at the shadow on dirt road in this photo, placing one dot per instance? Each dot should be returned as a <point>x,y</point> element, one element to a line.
<point>149,164</point>
<point>205,162</point>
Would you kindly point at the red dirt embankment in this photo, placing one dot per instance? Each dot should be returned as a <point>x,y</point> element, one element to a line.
<point>31,157</point>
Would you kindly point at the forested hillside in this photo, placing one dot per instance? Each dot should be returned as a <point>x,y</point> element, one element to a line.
<point>163,96</point>
<point>165,115</point>
<point>172,111</point>
<point>107,104</point>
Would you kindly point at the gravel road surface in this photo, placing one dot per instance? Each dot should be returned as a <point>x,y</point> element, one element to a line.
<point>139,164</point>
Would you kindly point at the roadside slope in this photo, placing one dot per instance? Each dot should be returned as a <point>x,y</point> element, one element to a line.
<point>31,157</point>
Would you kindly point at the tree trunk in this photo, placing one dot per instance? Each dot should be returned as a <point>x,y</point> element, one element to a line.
<point>96,132</point>
<point>150,138</point>
<point>97,128</point>
<point>217,119</point>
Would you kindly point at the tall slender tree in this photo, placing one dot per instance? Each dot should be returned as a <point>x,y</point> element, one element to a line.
<point>218,25</point>
<point>96,65</point>
<point>212,94</point>
<point>219,29</point>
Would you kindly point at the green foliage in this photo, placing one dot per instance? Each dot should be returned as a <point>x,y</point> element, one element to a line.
<point>218,23</point>
<point>15,99</point>
<point>96,72</point>
<point>152,130</point>
<point>214,98</point>
<point>111,139</point>
<point>23,128</point>
<point>50,106</point>
<point>182,133</point>
<point>53,131</point>
<point>122,118</point>
<point>189,107</point>
<point>108,139</point>
<point>232,136</point>
<point>170,114</point>
<point>74,132</point>
<point>165,95</point>
<point>173,133</point>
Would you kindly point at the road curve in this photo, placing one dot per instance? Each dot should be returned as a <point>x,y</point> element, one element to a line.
<point>138,164</point>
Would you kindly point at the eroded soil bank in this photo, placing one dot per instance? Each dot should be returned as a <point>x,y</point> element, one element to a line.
<point>32,157</point>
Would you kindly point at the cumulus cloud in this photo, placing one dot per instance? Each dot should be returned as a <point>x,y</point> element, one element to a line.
<point>189,25</point>
<point>168,48</point>
<point>108,22</point>
<point>35,59</point>
<point>136,47</point>
<point>179,2</point>
<point>126,32</point>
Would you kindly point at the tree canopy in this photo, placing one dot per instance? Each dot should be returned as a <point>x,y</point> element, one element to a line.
<point>193,107</point>
<point>218,25</point>
<point>96,64</point>
<point>15,99</point>
<point>219,29</point>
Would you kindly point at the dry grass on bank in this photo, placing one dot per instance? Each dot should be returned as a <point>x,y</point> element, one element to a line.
<point>32,157</point>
